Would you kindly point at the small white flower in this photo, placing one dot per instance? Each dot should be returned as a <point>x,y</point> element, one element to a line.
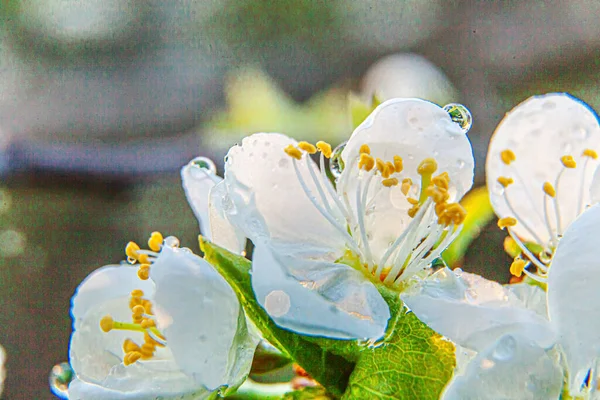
<point>321,249</point>
<point>514,320</point>
<point>540,170</point>
<point>171,328</point>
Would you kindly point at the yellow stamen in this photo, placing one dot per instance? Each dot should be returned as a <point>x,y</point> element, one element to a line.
<point>134,301</point>
<point>144,272</point>
<point>590,153</point>
<point>398,165</point>
<point>380,166</point>
<point>505,181</point>
<point>137,293</point>
<point>440,208</point>
<point>364,149</point>
<point>131,250</point>
<point>148,323</point>
<point>442,180</point>
<point>291,151</point>
<point>549,189</point>
<point>106,323</point>
<point>517,267</point>
<point>413,211</point>
<point>568,161</point>
<point>307,147</point>
<point>406,184</point>
<point>131,357</point>
<point>138,310</point>
<point>129,346</point>
<point>427,167</point>
<point>366,162</point>
<point>155,241</point>
<point>507,156</point>
<point>437,194</point>
<point>147,306</point>
<point>506,222</point>
<point>389,182</point>
<point>149,339</point>
<point>452,213</point>
<point>412,201</point>
<point>325,148</point>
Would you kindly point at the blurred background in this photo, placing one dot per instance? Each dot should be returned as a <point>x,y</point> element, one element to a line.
<point>102,101</point>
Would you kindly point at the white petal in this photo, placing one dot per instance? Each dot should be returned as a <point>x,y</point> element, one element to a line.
<point>326,299</point>
<point>574,295</point>
<point>201,317</point>
<point>513,368</point>
<point>595,187</point>
<point>531,296</point>
<point>473,311</point>
<point>262,183</point>
<point>197,183</point>
<point>414,130</point>
<point>222,232</point>
<point>539,131</point>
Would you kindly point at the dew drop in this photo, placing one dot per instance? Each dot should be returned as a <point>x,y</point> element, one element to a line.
<point>60,377</point>
<point>460,115</point>
<point>171,241</point>
<point>461,164</point>
<point>277,303</point>
<point>206,164</point>
<point>336,164</point>
<point>505,349</point>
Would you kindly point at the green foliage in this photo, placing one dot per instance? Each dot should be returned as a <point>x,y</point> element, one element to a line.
<point>412,362</point>
<point>307,393</point>
<point>330,370</point>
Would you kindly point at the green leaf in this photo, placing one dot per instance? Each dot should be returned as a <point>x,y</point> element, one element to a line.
<point>330,370</point>
<point>412,362</point>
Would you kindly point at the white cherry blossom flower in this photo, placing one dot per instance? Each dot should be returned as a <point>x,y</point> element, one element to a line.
<point>540,170</point>
<point>320,249</point>
<point>170,328</point>
<point>516,333</point>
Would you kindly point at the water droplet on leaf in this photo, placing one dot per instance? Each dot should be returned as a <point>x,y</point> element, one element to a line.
<point>336,164</point>
<point>60,377</point>
<point>460,115</point>
<point>204,163</point>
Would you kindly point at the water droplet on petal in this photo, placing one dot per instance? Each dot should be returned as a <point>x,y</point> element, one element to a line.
<point>336,164</point>
<point>206,164</point>
<point>60,377</point>
<point>460,115</point>
<point>505,348</point>
<point>460,164</point>
<point>277,303</point>
<point>171,241</point>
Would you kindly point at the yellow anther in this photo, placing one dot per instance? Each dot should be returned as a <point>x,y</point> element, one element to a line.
<point>147,350</point>
<point>106,323</point>
<point>364,149</point>
<point>440,208</point>
<point>149,339</point>
<point>138,310</point>
<point>507,156</point>
<point>405,187</point>
<point>131,250</point>
<point>137,293</point>
<point>137,319</point>
<point>506,222</point>
<point>155,241</point>
<point>291,151</point>
<point>442,180</point>
<point>517,267</point>
<point>452,213</point>
<point>549,189</point>
<point>380,165</point>
<point>131,357</point>
<point>307,147</point>
<point>427,167</point>
<point>366,162</point>
<point>390,167</point>
<point>148,323</point>
<point>505,181</point>
<point>389,182</point>
<point>129,346</point>
<point>147,306</point>
<point>144,272</point>
<point>568,161</point>
<point>590,153</point>
<point>325,148</point>
<point>398,165</point>
<point>412,201</point>
<point>413,211</point>
<point>437,194</point>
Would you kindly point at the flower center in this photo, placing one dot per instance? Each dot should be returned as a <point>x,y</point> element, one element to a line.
<point>434,222</point>
<point>143,319</point>
<point>552,220</point>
